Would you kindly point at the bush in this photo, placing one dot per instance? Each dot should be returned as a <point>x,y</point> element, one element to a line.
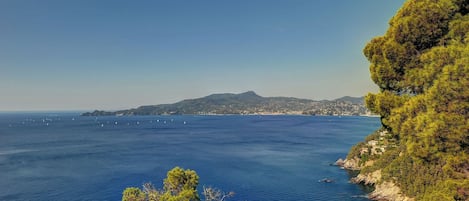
<point>179,185</point>
<point>133,194</point>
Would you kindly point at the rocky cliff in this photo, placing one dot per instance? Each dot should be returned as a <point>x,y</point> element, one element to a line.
<point>362,157</point>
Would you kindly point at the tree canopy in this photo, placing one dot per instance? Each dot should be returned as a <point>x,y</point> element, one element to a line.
<point>421,66</point>
<point>179,185</point>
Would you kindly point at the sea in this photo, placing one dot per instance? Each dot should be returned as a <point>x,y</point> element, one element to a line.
<point>48,156</point>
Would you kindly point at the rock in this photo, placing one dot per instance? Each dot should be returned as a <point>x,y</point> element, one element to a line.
<point>340,162</point>
<point>349,164</point>
<point>326,180</point>
<point>385,191</point>
<point>367,179</point>
<point>388,191</point>
<point>352,164</point>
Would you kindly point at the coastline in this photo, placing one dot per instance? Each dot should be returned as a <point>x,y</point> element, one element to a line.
<point>364,155</point>
<point>383,190</point>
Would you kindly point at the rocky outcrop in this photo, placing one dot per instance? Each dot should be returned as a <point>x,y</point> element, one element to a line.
<point>388,191</point>
<point>352,164</point>
<point>384,190</point>
<point>368,179</point>
<point>340,162</point>
<point>349,164</point>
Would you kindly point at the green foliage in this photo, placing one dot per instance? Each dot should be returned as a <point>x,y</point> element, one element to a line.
<point>421,65</point>
<point>374,136</point>
<point>133,194</point>
<point>355,150</point>
<point>383,161</point>
<point>179,185</point>
<point>383,103</point>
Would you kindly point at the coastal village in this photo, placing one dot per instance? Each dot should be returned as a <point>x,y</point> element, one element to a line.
<point>249,103</point>
<point>339,108</point>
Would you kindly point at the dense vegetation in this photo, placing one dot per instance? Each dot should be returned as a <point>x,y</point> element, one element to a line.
<point>179,185</point>
<point>421,65</point>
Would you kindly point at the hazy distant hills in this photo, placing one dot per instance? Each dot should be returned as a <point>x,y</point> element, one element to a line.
<point>353,100</point>
<point>247,103</point>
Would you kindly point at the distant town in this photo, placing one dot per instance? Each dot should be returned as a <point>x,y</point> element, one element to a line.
<point>249,103</point>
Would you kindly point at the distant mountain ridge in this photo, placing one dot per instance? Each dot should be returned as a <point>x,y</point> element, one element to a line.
<point>355,100</point>
<point>247,103</point>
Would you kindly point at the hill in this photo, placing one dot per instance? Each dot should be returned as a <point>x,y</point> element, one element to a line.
<point>247,103</point>
<point>353,100</point>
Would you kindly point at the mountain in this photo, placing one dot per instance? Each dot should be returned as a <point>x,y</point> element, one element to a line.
<point>247,103</point>
<point>353,100</point>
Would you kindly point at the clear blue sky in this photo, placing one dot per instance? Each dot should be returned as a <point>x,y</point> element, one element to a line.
<point>115,54</point>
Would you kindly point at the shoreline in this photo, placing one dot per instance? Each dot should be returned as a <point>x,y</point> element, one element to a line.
<point>382,190</point>
<point>250,114</point>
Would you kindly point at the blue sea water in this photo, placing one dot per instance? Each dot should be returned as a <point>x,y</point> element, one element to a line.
<point>63,156</point>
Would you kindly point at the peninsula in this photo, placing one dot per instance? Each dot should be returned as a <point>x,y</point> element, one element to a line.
<point>248,103</point>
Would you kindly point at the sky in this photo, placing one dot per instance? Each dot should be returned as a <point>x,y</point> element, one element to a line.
<point>116,54</point>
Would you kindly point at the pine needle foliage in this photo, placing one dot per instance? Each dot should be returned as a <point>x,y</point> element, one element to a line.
<point>421,66</point>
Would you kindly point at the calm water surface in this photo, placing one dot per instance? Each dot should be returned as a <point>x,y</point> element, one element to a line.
<point>62,156</point>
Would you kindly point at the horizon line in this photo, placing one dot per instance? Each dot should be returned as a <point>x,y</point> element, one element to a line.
<point>130,107</point>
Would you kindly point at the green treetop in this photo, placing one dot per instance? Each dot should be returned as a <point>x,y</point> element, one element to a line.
<point>421,66</point>
<point>179,185</point>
